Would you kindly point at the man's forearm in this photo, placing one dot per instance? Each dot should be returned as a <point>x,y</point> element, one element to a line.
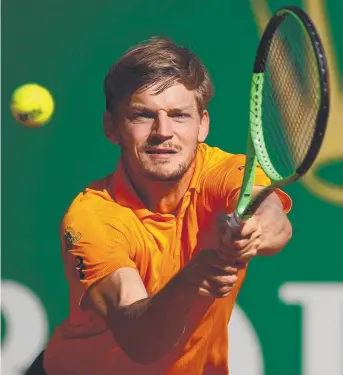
<point>277,229</point>
<point>148,329</point>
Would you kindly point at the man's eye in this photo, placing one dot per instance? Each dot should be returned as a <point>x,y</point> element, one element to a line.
<point>145,115</point>
<point>142,116</point>
<point>180,115</point>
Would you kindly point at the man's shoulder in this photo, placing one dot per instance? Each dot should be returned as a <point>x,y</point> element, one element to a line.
<point>214,157</point>
<point>95,202</point>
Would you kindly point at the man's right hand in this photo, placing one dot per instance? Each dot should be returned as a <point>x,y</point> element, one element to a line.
<point>216,277</point>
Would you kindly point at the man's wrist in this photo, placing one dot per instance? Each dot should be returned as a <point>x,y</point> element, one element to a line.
<point>192,273</point>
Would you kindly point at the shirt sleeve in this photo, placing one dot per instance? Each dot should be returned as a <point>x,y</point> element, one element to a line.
<point>93,248</point>
<point>225,180</point>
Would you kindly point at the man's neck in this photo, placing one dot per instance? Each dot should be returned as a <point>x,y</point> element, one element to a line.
<point>162,197</point>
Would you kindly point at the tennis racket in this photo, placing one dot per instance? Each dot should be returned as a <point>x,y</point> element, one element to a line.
<point>289,107</point>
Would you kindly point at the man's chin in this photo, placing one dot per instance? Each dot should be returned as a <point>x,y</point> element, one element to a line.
<point>165,174</point>
<point>165,170</point>
<point>160,176</point>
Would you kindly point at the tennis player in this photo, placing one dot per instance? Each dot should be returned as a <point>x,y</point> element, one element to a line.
<point>153,275</point>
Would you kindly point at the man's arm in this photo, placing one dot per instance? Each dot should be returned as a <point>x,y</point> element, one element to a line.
<point>147,328</point>
<point>266,233</point>
<point>276,229</point>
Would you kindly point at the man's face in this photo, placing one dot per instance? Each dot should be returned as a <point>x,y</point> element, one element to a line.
<point>159,134</point>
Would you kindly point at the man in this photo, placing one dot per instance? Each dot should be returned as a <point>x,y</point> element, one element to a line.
<point>153,275</point>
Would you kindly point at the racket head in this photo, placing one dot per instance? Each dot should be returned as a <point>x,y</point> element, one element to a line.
<point>289,104</point>
<point>294,98</point>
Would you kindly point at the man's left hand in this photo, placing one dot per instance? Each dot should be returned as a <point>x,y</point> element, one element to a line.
<point>265,233</point>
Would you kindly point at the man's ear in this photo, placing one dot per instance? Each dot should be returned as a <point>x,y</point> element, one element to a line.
<point>110,129</point>
<point>204,126</point>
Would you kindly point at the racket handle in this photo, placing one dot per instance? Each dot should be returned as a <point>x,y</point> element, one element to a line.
<point>233,221</point>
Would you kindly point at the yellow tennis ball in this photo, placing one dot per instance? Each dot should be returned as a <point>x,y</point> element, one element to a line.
<point>32,105</point>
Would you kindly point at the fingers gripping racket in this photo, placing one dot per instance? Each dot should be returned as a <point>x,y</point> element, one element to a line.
<point>289,106</point>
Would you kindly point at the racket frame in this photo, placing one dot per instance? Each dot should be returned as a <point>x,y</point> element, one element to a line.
<point>256,150</point>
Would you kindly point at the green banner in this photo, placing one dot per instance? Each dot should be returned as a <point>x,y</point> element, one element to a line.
<point>288,320</point>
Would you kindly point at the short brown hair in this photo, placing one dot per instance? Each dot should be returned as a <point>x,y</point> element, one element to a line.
<point>158,61</point>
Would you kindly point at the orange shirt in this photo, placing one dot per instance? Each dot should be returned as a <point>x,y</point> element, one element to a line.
<point>107,227</point>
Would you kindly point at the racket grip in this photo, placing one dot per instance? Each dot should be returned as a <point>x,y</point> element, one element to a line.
<point>233,221</point>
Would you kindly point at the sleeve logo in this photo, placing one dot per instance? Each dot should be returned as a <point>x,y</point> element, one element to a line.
<point>71,237</point>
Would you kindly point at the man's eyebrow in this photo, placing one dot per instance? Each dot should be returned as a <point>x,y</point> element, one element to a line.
<point>181,108</point>
<point>141,107</point>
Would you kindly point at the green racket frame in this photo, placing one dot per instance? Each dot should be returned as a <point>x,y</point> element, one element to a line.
<point>256,148</point>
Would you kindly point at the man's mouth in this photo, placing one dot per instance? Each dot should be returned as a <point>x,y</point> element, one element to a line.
<point>161,151</point>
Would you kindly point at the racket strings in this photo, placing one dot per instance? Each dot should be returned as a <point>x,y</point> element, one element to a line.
<point>291,96</point>
<point>297,105</point>
<point>301,113</point>
<point>288,91</point>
